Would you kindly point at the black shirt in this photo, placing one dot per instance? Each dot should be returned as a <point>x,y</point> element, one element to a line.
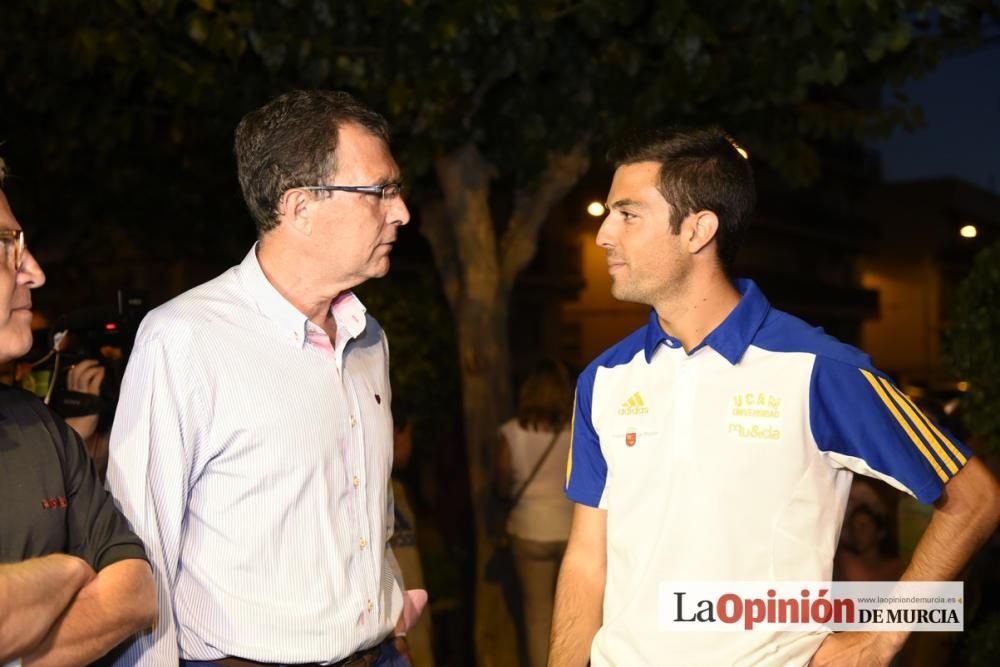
<point>51,500</point>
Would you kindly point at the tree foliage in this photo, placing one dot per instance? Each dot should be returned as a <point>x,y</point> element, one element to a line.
<point>117,93</point>
<point>972,346</point>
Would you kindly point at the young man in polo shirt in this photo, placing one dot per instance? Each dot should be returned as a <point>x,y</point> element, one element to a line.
<point>718,442</point>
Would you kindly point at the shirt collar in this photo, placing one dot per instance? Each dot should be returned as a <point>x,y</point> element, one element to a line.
<point>731,338</point>
<point>347,309</point>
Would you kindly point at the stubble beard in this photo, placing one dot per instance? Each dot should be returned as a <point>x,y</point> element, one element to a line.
<point>627,291</point>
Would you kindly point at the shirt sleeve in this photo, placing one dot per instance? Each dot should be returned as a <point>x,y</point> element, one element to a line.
<point>586,468</point>
<point>160,424</point>
<point>864,423</point>
<point>96,530</point>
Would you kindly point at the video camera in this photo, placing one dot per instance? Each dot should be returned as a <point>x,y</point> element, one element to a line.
<point>104,335</point>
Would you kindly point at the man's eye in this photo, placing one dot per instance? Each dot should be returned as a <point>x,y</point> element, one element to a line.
<point>627,216</point>
<point>391,190</point>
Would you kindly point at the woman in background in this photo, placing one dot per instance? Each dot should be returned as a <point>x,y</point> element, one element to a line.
<point>531,472</point>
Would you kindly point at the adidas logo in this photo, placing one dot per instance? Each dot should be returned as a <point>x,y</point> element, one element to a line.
<point>634,406</point>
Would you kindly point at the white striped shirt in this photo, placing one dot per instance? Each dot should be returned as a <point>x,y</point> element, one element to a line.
<point>255,467</point>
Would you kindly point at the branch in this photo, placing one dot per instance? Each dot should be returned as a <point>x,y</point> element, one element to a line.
<point>532,208</point>
<point>565,11</point>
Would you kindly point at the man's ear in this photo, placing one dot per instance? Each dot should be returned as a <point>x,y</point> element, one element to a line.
<point>294,211</point>
<point>700,228</point>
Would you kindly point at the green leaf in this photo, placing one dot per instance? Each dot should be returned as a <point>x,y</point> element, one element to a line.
<point>837,71</point>
<point>197,29</point>
<point>900,37</point>
<point>876,48</point>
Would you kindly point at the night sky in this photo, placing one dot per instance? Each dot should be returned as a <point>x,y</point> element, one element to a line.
<point>961,102</point>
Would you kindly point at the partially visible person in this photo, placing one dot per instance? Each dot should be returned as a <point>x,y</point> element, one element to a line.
<point>531,469</point>
<point>74,581</point>
<point>868,557</point>
<point>404,543</point>
<point>85,378</point>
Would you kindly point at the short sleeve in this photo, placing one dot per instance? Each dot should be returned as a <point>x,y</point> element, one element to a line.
<point>586,468</point>
<point>98,533</point>
<point>863,422</point>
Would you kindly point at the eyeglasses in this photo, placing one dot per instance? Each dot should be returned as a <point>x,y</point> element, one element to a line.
<point>386,191</point>
<point>13,248</point>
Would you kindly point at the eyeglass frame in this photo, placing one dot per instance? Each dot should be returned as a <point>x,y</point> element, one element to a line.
<point>20,248</point>
<point>361,189</point>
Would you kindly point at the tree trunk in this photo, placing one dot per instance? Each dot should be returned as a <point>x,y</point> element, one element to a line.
<point>478,274</point>
<point>464,244</point>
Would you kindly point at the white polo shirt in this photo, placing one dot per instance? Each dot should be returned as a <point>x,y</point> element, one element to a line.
<point>733,463</point>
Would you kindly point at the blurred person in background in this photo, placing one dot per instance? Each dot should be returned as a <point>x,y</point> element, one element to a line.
<point>74,581</point>
<point>869,556</point>
<point>531,472</point>
<point>404,540</point>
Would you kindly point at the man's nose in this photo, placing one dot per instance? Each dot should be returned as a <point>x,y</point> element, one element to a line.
<point>30,273</point>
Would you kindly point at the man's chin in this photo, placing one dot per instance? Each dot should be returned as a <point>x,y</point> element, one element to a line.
<point>14,344</point>
<point>381,269</point>
<point>620,291</point>
<point>625,293</point>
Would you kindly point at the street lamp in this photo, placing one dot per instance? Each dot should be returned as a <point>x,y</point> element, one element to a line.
<point>968,231</point>
<point>595,208</point>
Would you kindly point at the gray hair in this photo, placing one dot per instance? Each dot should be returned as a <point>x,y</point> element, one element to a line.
<point>3,171</point>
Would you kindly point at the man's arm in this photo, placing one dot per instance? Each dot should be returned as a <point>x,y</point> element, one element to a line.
<point>160,422</point>
<point>967,514</point>
<point>119,602</point>
<point>579,601</point>
<point>33,594</point>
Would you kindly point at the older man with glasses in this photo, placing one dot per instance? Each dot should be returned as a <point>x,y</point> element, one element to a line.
<point>74,581</point>
<point>253,441</point>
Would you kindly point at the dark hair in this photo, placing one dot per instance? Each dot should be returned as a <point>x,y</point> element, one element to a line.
<point>545,400</point>
<point>865,510</point>
<point>3,171</point>
<point>292,141</point>
<point>885,539</point>
<point>700,170</point>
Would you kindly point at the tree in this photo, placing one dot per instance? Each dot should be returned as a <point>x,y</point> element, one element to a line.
<point>499,107</point>
<point>972,346</point>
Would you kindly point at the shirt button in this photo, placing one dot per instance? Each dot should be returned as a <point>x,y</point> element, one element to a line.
<point>362,543</point>
<point>357,482</point>
<point>354,422</point>
<point>371,605</point>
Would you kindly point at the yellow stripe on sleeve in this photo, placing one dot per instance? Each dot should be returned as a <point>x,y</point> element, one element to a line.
<point>956,452</point>
<point>897,394</point>
<point>902,422</point>
<point>572,431</point>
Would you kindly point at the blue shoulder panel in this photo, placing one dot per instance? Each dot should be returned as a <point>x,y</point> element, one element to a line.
<point>859,412</point>
<point>855,410</point>
<point>586,469</point>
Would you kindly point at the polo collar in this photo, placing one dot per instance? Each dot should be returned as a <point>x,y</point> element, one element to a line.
<point>731,338</point>
<point>347,309</point>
